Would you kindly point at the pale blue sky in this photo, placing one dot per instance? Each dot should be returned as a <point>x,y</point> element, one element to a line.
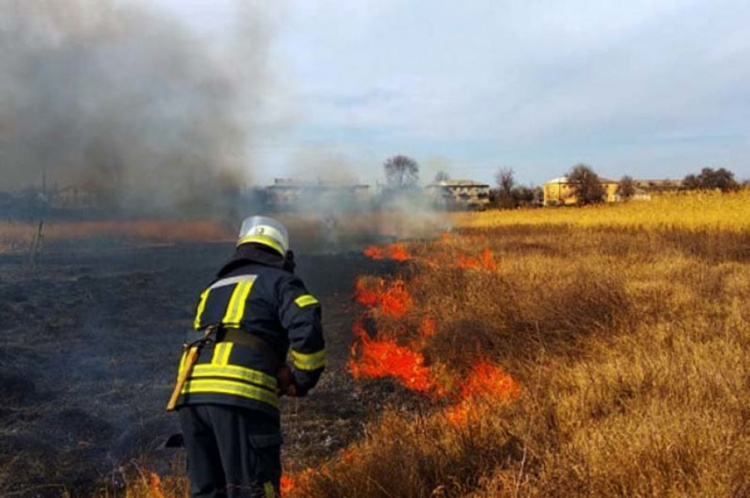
<point>650,88</point>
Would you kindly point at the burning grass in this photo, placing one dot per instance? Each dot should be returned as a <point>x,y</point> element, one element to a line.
<point>628,340</point>
<point>385,358</point>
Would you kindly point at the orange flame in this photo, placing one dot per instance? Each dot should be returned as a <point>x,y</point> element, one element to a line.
<point>155,485</point>
<point>468,262</point>
<point>392,300</point>
<point>396,252</point>
<point>379,359</point>
<point>489,380</point>
<point>373,252</point>
<point>462,414</point>
<point>485,381</point>
<point>427,328</point>
<point>297,481</point>
<point>485,261</point>
<point>348,455</point>
<point>366,296</point>
<point>287,485</point>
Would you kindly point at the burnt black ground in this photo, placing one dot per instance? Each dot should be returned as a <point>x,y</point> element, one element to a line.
<point>90,341</point>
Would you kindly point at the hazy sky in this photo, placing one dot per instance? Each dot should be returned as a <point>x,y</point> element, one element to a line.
<point>650,88</point>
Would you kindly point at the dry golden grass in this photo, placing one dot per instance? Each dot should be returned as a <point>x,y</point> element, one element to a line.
<point>629,338</point>
<point>692,210</point>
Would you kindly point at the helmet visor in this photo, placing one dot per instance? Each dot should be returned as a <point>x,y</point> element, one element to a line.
<point>265,231</point>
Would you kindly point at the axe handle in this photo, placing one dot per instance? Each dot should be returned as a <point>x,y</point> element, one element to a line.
<point>190,361</point>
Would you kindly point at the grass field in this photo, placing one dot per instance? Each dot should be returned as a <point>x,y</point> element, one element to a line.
<point>560,352</point>
<point>627,328</point>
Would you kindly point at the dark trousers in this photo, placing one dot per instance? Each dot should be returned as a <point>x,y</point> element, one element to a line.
<point>231,452</point>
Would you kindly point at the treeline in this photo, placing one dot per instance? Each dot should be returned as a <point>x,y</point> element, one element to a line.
<point>589,188</point>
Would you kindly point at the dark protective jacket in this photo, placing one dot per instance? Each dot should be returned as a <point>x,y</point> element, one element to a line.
<point>255,293</point>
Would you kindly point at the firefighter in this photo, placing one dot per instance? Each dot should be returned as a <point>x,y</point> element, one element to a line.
<point>246,321</point>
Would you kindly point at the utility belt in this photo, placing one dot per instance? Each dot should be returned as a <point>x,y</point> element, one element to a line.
<point>216,334</point>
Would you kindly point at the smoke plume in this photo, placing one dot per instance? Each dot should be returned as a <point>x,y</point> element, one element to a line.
<point>127,102</point>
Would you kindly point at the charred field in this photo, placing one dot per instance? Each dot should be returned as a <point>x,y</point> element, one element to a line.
<point>91,337</point>
<point>553,352</point>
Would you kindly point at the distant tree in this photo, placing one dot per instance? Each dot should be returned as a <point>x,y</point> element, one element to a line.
<point>710,179</point>
<point>626,188</point>
<point>505,179</point>
<point>523,196</point>
<point>442,176</point>
<point>586,185</point>
<point>401,171</point>
<point>691,182</point>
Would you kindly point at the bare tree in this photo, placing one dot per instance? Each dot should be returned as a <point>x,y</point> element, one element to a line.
<point>626,188</point>
<point>587,187</point>
<point>506,180</point>
<point>401,171</point>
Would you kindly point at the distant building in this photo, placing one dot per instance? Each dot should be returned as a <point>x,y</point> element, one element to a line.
<point>561,191</point>
<point>461,194</point>
<point>290,194</point>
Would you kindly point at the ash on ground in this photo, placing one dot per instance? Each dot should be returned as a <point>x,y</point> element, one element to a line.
<point>91,341</point>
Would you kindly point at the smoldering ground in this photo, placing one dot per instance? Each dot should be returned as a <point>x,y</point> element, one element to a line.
<point>128,103</point>
<point>90,346</point>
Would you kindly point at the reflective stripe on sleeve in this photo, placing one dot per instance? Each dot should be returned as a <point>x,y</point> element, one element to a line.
<point>305,300</point>
<point>312,361</point>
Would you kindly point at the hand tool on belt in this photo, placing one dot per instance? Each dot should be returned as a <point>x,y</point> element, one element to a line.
<point>193,350</point>
<point>217,334</point>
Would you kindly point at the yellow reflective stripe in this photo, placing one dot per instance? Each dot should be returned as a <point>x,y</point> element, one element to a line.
<point>209,386</point>
<point>218,352</point>
<point>201,307</point>
<point>268,490</point>
<point>312,361</point>
<point>235,372</point>
<point>305,300</point>
<point>236,306</point>
<point>224,360</point>
<point>263,239</point>
<point>221,353</point>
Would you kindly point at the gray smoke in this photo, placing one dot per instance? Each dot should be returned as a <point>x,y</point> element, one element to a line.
<point>126,102</point>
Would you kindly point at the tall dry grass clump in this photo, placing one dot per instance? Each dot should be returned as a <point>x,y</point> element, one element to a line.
<point>629,340</point>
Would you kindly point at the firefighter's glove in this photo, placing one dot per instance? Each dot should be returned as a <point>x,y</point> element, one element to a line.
<point>285,381</point>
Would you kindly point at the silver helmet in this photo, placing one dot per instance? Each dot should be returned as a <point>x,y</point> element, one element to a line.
<point>266,231</point>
